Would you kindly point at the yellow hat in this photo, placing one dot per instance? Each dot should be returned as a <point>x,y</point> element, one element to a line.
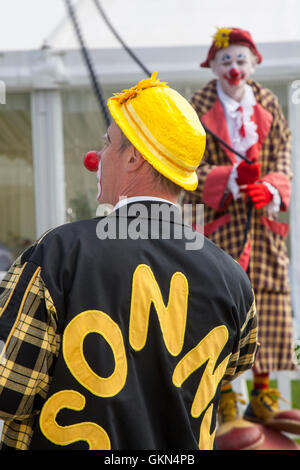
<point>163,127</point>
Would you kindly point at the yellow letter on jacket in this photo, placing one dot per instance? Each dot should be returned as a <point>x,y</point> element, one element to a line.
<point>172,318</point>
<point>95,321</point>
<point>207,350</point>
<point>94,435</point>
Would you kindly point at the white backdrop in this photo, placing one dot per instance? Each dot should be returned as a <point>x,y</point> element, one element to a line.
<point>147,23</point>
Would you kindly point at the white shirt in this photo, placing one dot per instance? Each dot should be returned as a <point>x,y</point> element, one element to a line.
<point>128,200</point>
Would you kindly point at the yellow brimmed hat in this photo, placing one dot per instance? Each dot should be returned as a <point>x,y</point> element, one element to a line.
<point>163,127</point>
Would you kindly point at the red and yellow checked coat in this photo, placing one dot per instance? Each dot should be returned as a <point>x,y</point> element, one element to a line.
<point>225,219</point>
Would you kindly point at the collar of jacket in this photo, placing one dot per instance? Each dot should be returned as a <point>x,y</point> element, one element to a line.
<point>152,210</point>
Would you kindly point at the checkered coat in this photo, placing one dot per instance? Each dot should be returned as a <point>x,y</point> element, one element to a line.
<point>264,255</point>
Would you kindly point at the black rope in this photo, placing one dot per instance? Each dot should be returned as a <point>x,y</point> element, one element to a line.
<point>221,141</point>
<point>88,61</point>
<point>116,34</point>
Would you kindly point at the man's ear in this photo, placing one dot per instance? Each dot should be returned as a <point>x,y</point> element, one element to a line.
<point>135,159</point>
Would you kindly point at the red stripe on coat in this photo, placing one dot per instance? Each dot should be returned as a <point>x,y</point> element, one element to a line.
<point>211,227</point>
<point>215,186</point>
<point>281,228</point>
<point>263,119</point>
<point>245,256</point>
<point>215,120</point>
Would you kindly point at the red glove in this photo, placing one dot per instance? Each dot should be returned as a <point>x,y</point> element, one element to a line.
<point>259,194</point>
<point>247,173</point>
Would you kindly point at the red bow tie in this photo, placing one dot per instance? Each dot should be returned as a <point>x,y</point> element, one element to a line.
<point>242,128</point>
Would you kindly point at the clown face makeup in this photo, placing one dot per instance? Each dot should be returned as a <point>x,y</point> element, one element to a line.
<point>112,169</point>
<point>233,66</point>
<point>99,179</point>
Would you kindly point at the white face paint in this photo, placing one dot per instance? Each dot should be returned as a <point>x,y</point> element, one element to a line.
<point>233,66</point>
<point>99,179</point>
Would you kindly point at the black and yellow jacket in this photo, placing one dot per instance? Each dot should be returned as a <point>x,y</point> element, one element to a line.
<point>121,342</point>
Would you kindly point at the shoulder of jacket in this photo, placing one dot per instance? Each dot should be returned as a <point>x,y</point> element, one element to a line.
<point>71,229</point>
<point>227,265</point>
<point>264,96</point>
<point>65,234</point>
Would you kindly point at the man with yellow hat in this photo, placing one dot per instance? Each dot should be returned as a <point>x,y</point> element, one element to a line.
<point>244,190</point>
<point>118,330</point>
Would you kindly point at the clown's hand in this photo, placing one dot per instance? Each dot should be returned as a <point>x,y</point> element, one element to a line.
<point>247,173</point>
<point>259,194</point>
<point>242,174</point>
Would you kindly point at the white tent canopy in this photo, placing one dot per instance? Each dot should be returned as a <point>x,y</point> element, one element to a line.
<point>155,23</point>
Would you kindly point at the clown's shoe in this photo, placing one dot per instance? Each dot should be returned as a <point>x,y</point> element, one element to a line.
<point>234,432</point>
<point>263,409</point>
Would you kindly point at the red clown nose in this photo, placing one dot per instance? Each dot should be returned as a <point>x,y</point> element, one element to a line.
<point>234,73</point>
<point>91,161</point>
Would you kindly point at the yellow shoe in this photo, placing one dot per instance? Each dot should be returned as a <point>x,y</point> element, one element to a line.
<point>263,405</point>
<point>228,406</point>
<point>264,409</point>
<point>235,433</point>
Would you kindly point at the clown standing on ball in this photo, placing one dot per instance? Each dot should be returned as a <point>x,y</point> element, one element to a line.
<point>247,116</point>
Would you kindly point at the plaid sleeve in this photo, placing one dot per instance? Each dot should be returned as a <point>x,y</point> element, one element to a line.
<point>244,354</point>
<point>29,343</point>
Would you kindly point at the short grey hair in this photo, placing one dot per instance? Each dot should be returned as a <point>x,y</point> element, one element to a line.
<point>160,180</point>
<point>125,143</point>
